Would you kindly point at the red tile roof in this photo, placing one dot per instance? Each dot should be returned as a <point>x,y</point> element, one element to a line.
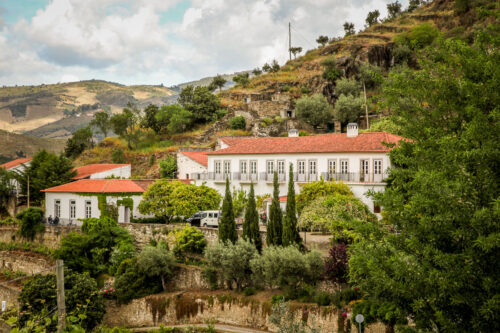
<point>282,198</point>
<point>14,163</point>
<point>325,143</point>
<point>107,186</point>
<point>197,156</point>
<point>231,141</point>
<point>87,170</point>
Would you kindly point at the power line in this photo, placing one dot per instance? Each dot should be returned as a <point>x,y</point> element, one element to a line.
<point>303,38</point>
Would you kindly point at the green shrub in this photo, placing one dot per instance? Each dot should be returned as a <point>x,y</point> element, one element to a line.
<point>9,221</point>
<point>331,72</point>
<point>168,167</point>
<point>157,262</point>
<point>249,291</point>
<point>266,122</point>
<point>31,222</point>
<point>118,156</point>
<point>418,37</point>
<point>305,90</point>
<point>317,189</point>
<point>95,225</point>
<point>189,240</point>
<point>120,252</point>
<point>343,297</point>
<point>131,282</point>
<point>303,133</point>
<point>238,122</point>
<point>285,88</point>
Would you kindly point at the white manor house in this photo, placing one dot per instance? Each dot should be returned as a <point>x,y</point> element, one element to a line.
<point>359,160</point>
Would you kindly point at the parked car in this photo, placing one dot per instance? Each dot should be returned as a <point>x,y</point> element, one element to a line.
<point>205,218</point>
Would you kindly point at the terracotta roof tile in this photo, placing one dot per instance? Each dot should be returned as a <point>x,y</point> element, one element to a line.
<point>325,143</point>
<point>282,198</point>
<point>107,186</point>
<point>87,170</point>
<point>14,163</point>
<point>198,156</point>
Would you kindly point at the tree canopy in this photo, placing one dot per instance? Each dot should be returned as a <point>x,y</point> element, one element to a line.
<point>314,110</point>
<point>81,140</point>
<point>201,102</point>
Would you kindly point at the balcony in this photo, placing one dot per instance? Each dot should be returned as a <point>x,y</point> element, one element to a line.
<point>349,177</point>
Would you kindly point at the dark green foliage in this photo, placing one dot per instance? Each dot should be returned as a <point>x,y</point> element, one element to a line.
<point>290,231</point>
<point>349,29</point>
<point>168,167</point>
<point>331,72</point>
<point>275,224</point>
<point>46,170</point>
<point>386,313</point>
<point>249,291</point>
<point>414,4</point>
<point>124,123</point>
<point>441,268</point>
<point>227,226</point>
<point>118,156</point>
<point>251,230</point>
<point>131,282</point>
<point>393,9</point>
<point>174,119</point>
<point>372,17</point>
<point>349,108</point>
<point>218,82</point>
<point>322,40</point>
<point>314,110</point>
<point>371,75</point>
<point>266,67</point>
<point>200,101</point>
<point>242,79</point>
<point>152,160</point>
<point>238,122</point>
<point>81,140</point>
<point>101,122</point>
<point>257,71</point>
<point>418,37</point>
<point>157,262</point>
<point>149,119</point>
<point>81,295</point>
<point>6,188</point>
<point>345,296</point>
<point>31,222</point>
<point>275,67</point>
<point>462,6</point>
<point>295,50</point>
<point>189,240</point>
<point>403,54</point>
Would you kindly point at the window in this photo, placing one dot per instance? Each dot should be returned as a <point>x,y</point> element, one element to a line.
<point>216,215</point>
<point>344,166</point>
<point>203,215</point>
<point>72,209</point>
<point>281,167</point>
<point>332,167</point>
<point>88,209</point>
<point>217,167</point>
<point>187,175</point>
<point>57,208</point>
<point>227,167</point>
<point>301,167</point>
<point>243,167</point>
<point>376,208</point>
<point>364,166</point>
<point>270,167</point>
<point>253,167</point>
<point>210,215</point>
<point>312,167</point>
<point>377,167</point>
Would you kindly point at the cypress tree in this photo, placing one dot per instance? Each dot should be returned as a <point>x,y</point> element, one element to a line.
<point>227,226</point>
<point>290,231</point>
<point>251,230</point>
<point>275,225</point>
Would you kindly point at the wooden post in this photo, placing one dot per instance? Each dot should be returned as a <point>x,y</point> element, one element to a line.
<point>28,191</point>
<point>61,306</point>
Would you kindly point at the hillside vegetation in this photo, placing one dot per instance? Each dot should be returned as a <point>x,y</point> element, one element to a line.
<point>18,145</point>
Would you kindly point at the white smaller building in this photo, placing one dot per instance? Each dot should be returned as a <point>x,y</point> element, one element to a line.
<point>17,166</point>
<point>191,163</point>
<point>78,200</point>
<point>103,170</point>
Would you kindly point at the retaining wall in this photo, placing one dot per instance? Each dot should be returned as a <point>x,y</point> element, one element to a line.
<point>23,261</point>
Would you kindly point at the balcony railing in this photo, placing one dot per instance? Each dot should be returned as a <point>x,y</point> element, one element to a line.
<point>349,177</point>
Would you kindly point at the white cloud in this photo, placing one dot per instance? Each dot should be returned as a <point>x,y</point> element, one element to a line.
<point>125,41</point>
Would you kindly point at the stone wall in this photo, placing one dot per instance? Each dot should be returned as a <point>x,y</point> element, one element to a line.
<point>187,277</point>
<point>9,294</point>
<point>23,261</point>
<point>51,238</point>
<point>222,307</point>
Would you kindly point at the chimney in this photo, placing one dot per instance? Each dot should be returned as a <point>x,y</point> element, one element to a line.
<point>293,133</point>
<point>352,130</point>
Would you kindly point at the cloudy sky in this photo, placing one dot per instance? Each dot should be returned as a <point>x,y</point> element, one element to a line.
<point>159,41</point>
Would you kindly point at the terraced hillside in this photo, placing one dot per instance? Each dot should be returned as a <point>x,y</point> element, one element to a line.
<point>15,145</point>
<point>69,106</point>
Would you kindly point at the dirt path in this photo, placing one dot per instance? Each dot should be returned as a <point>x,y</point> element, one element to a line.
<point>218,327</point>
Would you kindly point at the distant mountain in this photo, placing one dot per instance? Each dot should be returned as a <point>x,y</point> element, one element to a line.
<point>16,145</point>
<point>207,80</point>
<point>69,106</point>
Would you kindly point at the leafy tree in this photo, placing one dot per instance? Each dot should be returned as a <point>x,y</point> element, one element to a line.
<point>168,167</point>
<point>189,240</point>
<point>157,262</point>
<point>121,252</point>
<point>174,119</point>
<point>101,121</point>
<point>81,140</point>
<point>314,110</point>
<point>231,262</point>
<point>370,75</point>
<point>227,226</point>
<point>290,231</point>
<point>418,37</point>
<point>251,230</point>
<point>6,188</point>
<point>149,119</point>
<point>124,124</point>
<point>266,67</point>
<point>257,71</point>
<point>336,264</point>
<point>31,222</point>
<point>240,200</point>
<point>349,108</point>
<point>331,72</point>
<point>238,122</point>
<point>347,87</point>
<point>414,4</point>
<point>174,198</point>
<point>372,17</point>
<point>275,224</point>
<point>218,82</point>
<point>46,170</point>
<point>200,101</point>
<point>462,6</point>
<point>132,282</point>
<point>242,79</point>
<point>439,268</point>
<point>394,9</point>
<point>274,66</point>
<point>349,29</point>
<point>322,40</point>
<point>118,156</point>
<point>317,189</point>
<point>295,50</point>
<point>82,297</point>
<point>403,54</point>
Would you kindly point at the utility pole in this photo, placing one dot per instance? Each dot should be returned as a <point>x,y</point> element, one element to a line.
<point>366,107</point>
<point>61,306</point>
<point>290,40</point>
<point>28,192</point>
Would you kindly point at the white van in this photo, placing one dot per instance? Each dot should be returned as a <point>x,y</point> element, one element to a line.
<point>205,218</point>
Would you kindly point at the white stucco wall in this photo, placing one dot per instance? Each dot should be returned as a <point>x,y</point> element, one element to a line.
<point>186,167</point>
<point>65,199</point>
<point>121,172</point>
